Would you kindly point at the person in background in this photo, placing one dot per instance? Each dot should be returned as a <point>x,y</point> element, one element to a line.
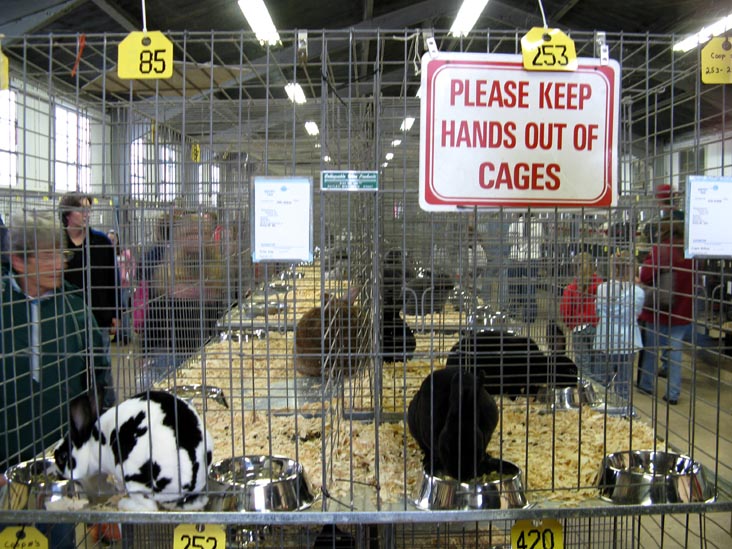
<point>127,268</point>
<point>93,264</point>
<point>578,312</point>
<point>618,338</point>
<point>666,325</point>
<point>49,340</point>
<point>187,290</point>
<point>525,236</point>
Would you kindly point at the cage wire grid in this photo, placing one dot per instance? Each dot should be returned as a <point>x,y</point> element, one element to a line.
<point>171,166</point>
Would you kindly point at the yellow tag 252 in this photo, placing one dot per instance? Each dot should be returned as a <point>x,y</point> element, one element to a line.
<point>716,61</point>
<point>544,534</point>
<point>145,55</point>
<point>548,50</point>
<point>23,536</point>
<point>202,536</point>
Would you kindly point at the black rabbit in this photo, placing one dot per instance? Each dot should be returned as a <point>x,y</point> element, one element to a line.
<point>512,364</point>
<point>398,342</point>
<point>452,418</point>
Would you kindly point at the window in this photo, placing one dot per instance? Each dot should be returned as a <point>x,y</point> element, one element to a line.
<point>138,161</point>
<point>73,150</point>
<point>209,179</point>
<point>168,179</point>
<point>8,144</point>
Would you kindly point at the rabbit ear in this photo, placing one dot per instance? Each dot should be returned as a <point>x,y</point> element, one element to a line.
<point>82,415</point>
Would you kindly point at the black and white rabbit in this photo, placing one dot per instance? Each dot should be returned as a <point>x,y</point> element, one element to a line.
<point>512,364</point>
<point>153,444</point>
<point>452,418</point>
<point>327,337</point>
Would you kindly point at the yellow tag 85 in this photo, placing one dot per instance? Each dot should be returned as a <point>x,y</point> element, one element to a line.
<point>548,50</point>
<point>144,55</point>
<point>202,536</point>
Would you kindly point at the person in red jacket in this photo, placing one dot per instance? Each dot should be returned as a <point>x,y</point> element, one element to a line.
<point>667,321</point>
<point>577,309</point>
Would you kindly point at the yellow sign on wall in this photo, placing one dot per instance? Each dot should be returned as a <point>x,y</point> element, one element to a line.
<point>145,55</point>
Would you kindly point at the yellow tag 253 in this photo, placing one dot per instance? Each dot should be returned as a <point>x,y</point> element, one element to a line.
<point>716,61</point>
<point>548,50</point>
<point>23,536</point>
<point>544,534</point>
<point>145,55</point>
<point>202,536</point>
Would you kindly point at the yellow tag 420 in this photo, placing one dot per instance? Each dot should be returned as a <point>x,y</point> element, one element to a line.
<point>548,50</point>
<point>145,55</point>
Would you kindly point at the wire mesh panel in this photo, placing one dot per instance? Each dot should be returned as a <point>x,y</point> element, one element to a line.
<point>362,389</point>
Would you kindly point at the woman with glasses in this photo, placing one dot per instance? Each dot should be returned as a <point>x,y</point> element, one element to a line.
<point>47,339</point>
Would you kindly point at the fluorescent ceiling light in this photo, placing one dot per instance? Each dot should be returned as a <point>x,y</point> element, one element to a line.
<point>385,165</point>
<point>389,156</point>
<point>407,124</point>
<point>704,35</point>
<point>326,158</point>
<point>295,93</point>
<point>312,128</point>
<point>396,142</point>
<point>467,16</point>
<point>259,20</point>
<point>317,145</point>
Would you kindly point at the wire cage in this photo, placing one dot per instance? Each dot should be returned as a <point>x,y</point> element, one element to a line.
<point>393,293</point>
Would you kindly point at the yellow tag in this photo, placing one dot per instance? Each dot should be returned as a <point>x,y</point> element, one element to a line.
<point>145,55</point>
<point>544,534</point>
<point>23,536</point>
<point>716,61</point>
<point>4,72</point>
<point>201,536</point>
<point>548,50</point>
<point>196,152</point>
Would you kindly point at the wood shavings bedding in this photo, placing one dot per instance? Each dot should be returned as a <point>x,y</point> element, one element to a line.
<point>555,466</point>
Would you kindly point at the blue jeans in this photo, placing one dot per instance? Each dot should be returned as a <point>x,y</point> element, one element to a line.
<point>585,357</point>
<point>663,335</point>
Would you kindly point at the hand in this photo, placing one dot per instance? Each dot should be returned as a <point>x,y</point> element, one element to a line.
<point>113,328</point>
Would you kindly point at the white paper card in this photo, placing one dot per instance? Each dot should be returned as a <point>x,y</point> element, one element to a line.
<point>282,221</point>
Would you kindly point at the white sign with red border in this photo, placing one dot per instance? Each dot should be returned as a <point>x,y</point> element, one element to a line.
<point>493,134</point>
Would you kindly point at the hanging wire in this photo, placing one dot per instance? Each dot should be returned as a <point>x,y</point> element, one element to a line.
<point>144,17</point>
<point>541,7</point>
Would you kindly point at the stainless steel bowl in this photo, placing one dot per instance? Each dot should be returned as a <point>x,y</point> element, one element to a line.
<point>238,336</point>
<point>569,398</point>
<point>37,484</point>
<point>259,483</point>
<point>644,477</point>
<point>195,390</point>
<point>446,493</point>
<point>485,316</point>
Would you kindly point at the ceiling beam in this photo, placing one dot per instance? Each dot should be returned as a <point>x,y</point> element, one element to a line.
<point>21,18</point>
<point>118,15</point>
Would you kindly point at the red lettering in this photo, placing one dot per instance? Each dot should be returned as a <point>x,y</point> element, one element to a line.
<point>448,132</point>
<point>563,95</point>
<point>545,101</point>
<point>521,176</point>
<point>456,88</point>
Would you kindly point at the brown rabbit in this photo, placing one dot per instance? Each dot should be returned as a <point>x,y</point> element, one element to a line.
<point>326,337</point>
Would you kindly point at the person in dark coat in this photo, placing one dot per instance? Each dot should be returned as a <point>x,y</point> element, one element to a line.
<point>93,264</point>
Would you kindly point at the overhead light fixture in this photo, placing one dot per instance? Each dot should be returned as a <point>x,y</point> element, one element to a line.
<point>389,156</point>
<point>317,145</point>
<point>705,34</point>
<point>385,165</point>
<point>468,14</point>
<point>396,142</point>
<point>326,158</point>
<point>312,128</point>
<point>407,124</point>
<point>260,21</point>
<point>295,93</point>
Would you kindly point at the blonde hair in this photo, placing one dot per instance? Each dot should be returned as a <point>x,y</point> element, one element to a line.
<point>195,257</point>
<point>585,265</point>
